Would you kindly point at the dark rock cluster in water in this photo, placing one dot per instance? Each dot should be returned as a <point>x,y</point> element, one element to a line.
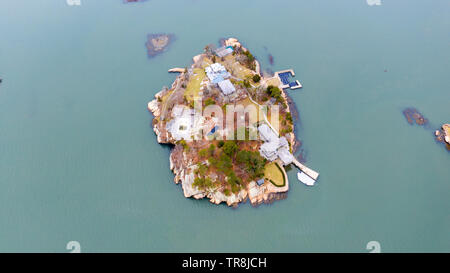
<point>270,59</point>
<point>412,115</point>
<point>269,56</point>
<point>158,43</point>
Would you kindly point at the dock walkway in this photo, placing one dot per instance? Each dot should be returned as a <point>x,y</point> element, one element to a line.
<point>311,173</point>
<point>285,85</point>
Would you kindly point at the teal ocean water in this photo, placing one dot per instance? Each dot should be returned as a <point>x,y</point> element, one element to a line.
<point>80,162</point>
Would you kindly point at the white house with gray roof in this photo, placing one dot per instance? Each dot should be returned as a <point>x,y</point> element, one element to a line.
<point>274,147</point>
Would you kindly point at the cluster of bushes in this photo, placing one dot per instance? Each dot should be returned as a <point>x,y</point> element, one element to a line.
<point>286,119</point>
<point>286,131</point>
<point>222,160</point>
<point>246,84</point>
<point>203,183</point>
<point>230,148</point>
<point>275,92</point>
<point>203,153</point>
<point>234,181</point>
<point>184,144</point>
<point>248,59</point>
<point>253,163</point>
<point>289,117</point>
<point>222,163</point>
<point>209,101</point>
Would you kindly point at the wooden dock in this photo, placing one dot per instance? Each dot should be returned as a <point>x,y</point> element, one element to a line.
<point>311,173</point>
<point>286,86</point>
<point>177,70</point>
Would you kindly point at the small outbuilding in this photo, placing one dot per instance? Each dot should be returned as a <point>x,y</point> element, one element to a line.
<point>260,181</point>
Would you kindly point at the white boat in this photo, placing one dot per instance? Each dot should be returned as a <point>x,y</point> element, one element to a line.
<point>305,179</point>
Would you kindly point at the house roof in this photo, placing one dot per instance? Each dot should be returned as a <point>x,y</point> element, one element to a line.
<point>283,142</point>
<point>266,133</point>
<point>216,73</point>
<point>223,51</point>
<point>285,156</point>
<point>227,87</point>
<point>260,181</point>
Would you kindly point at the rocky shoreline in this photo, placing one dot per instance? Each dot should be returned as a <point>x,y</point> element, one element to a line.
<point>184,163</point>
<point>443,135</point>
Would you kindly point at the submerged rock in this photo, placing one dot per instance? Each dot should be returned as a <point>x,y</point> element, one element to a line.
<point>412,115</point>
<point>270,59</point>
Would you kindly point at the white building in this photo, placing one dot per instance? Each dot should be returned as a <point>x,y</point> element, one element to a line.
<point>224,51</point>
<point>285,156</point>
<point>217,73</point>
<point>226,87</point>
<point>273,146</point>
<point>184,125</point>
<point>266,133</point>
<point>269,150</point>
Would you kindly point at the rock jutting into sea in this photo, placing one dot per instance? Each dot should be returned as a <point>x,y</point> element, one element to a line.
<point>412,115</point>
<point>443,135</point>
<point>231,128</point>
<point>158,43</point>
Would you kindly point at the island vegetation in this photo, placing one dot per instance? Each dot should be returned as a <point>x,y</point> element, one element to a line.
<point>218,164</point>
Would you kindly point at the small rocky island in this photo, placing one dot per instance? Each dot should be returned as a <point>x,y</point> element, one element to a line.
<point>443,135</point>
<point>158,43</point>
<point>413,116</point>
<point>231,128</point>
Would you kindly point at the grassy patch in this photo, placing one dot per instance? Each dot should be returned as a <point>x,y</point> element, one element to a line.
<point>273,81</point>
<point>193,86</point>
<point>274,174</point>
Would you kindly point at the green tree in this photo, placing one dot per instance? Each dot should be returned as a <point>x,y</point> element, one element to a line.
<point>203,183</point>
<point>289,117</point>
<point>230,148</point>
<point>224,164</point>
<point>235,182</point>
<point>202,169</point>
<point>203,153</point>
<point>275,92</point>
<point>253,163</point>
<point>209,101</point>
<point>256,78</point>
<point>211,149</point>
